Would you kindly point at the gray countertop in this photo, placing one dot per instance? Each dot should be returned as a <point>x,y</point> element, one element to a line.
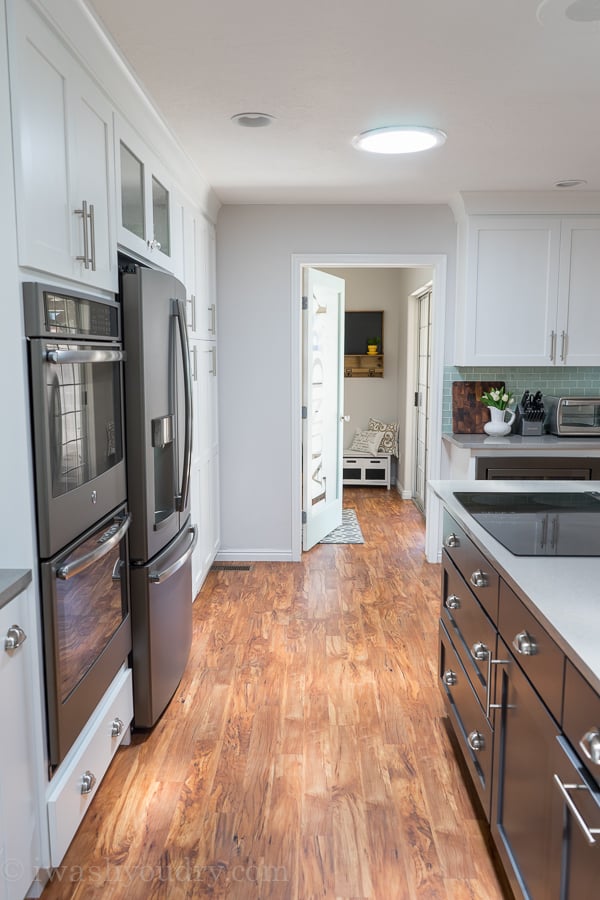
<point>12,583</point>
<point>562,592</point>
<point>540,443</point>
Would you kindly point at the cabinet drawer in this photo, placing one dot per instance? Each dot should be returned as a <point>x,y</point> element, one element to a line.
<point>581,719</point>
<point>472,565</point>
<point>472,729</point>
<point>537,654</point>
<point>93,753</point>
<point>472,632</point>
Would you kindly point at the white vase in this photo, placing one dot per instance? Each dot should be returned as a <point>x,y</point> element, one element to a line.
<point>499,425</point>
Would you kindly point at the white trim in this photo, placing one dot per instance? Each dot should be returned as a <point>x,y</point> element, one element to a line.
<point>249,555</point>
<point>437,261</point>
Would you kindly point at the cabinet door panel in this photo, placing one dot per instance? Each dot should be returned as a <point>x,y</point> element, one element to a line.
<point>579,309</point>
<point>512,290</point>
<point>41,150</point>
<point>526,816</point>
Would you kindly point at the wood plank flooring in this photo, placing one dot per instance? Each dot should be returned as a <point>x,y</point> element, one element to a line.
<point>305,753</point>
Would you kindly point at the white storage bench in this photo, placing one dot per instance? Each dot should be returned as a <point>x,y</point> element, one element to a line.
<point>367,469</point>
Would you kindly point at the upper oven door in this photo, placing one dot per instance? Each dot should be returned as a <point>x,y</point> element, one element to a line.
<point>77,402</point>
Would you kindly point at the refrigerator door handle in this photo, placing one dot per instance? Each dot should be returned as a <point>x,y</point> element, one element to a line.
<point>182,497</point>
<point>160,577</point>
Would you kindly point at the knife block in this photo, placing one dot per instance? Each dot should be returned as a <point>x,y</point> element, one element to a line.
<point>527,427</point>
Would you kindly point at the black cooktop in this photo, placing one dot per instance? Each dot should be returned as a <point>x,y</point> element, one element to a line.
<point>545,523</point>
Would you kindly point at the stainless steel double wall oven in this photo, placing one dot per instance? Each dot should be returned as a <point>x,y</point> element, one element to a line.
<point>76,391</point>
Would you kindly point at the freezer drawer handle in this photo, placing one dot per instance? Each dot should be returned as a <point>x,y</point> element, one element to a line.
<point>159,577</point>
<point>83,562</point>
<point>564,789</point>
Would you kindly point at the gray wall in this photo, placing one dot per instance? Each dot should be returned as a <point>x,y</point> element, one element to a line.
<point>257,361</point>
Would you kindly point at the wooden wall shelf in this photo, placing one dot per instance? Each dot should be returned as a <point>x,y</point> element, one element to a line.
<point>363,365</point>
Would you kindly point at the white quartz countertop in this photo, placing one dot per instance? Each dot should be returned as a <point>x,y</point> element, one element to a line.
<point>543,442</point>
<point>562,592</point>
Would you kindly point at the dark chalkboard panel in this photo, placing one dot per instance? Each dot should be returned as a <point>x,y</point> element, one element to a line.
<point>362,325</point>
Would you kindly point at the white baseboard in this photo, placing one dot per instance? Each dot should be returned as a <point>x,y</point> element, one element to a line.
<point>248,555</point>
<point>406,495</point>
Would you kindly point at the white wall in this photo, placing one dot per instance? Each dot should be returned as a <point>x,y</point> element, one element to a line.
<point>254,276</point>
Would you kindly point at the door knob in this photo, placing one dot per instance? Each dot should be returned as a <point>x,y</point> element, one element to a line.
<point>344,418</point>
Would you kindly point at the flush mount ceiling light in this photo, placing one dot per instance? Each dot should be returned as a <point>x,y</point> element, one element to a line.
<point>399,139</point>
<point>252,119</point>
<point>578,12</point>
<point>570,183</point>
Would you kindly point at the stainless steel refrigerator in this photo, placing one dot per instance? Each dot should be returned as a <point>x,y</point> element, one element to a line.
<point>158,430</point>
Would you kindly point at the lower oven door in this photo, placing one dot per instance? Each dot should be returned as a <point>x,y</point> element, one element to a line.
<point>87,632</point>
<point>581,824</point>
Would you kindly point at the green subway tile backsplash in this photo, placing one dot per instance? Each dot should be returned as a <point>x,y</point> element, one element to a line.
<point>582,380</point>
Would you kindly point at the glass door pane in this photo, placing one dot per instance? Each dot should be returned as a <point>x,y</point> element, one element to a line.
<point>132,193</point>
<point>160,216</point>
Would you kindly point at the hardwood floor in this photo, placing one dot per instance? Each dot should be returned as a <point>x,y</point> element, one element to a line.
<point>304,754</point>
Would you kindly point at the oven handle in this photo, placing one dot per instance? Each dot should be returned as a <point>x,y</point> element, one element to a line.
<point>158,577</point>
<point>78,565</point>
<point>85,356</point>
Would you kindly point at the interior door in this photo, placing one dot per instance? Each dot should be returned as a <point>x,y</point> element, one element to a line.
<point>422,398</point>
<point>323,399</point>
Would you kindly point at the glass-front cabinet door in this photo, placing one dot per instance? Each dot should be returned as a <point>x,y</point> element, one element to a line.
<point>145,209</point>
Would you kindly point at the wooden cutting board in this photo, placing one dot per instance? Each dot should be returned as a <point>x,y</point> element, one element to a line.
<point>469,415</point>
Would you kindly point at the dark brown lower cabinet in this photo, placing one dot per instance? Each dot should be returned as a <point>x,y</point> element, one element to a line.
<point>526,818</point>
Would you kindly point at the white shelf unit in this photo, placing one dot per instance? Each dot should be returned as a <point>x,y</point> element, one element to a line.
<point>364,469</point>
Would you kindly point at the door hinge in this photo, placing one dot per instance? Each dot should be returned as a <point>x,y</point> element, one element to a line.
<point>305,412</point>
<point>417,398</point>
<point>304,518</point>
<point>305,303</point>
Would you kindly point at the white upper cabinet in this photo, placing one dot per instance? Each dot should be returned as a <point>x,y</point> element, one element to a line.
<point>578,323</point>
<point>146,216</point>
<point>530,296</point>
<point>199,242</point>
<point>63,142</point>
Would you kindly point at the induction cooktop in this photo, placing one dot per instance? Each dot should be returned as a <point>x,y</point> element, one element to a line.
<point>544,523</point>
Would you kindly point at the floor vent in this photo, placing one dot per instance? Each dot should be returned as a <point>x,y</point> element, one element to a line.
<point>225,567</point>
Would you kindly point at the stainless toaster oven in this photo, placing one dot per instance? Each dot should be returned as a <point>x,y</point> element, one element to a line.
<point>572,416</point>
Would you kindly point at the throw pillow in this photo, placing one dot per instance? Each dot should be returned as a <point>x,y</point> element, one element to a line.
<point>365,441</point>
<point>389,436</point>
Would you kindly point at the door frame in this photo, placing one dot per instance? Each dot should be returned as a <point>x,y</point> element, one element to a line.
<point>437,261</point>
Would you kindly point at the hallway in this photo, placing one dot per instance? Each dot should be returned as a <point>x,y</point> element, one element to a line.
<point>304,754</point>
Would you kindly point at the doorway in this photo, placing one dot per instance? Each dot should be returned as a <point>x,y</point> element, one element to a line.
<point>437,264</point>
<point>422,425</point>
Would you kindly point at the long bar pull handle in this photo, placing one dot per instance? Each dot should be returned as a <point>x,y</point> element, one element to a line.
<point>564,789</point>
<point>159,577</point>
<point>195,370</point>
<point>85,561</point>
<point>92,238</point>
<point>83,212</point>
<point>85,356</point>
<point>213,318</point>
<point>563,346</point>
<point>182,499</point>
<point>213,370</point>
<point>552,345</point>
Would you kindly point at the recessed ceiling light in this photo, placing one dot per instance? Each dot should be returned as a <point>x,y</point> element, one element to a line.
<point>399,139</point>
<point>584,11</point>
<point>252,119</point>
<point>570,183</point>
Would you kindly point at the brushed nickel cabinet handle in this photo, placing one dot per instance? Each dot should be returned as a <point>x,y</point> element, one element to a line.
<point>449,678</point>
<point>479,579</point>
<point>88,782</point>
<point>476,741</point>
<point>15,636</point>
<point>590,744</point>
<point>479,651</point>
<point>525,644</point>
<point>116,727</point>
<point>585,828</point>
<point>452,540</point>
<point>552,345</point>
<point>83,212</point>
<point>452,602</point>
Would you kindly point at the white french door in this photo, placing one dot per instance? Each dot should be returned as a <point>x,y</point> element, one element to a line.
<point>322,400</point>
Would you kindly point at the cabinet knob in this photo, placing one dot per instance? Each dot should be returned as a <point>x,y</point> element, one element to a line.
<point>479,651</point>
<point>153,244</point>
<point>525,644</point>
<point>449,678</point>
<point>452,602</point>
<point>117,726</point>
<point>452,540</point>
<point>476,741</point>
<point>590,744</point>
<point>15,636</point>
<point>88,781</point>
<point>479,579</point>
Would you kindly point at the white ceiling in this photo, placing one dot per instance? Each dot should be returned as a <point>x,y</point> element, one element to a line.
<point>514,83</point>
